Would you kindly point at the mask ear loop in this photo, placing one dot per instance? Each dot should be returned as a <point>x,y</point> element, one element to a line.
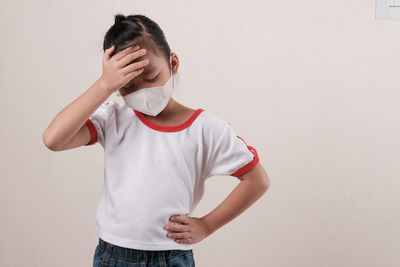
<point>170,63</point>
<point>175,79</point>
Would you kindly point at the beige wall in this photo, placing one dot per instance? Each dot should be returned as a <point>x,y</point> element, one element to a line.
<point>312,85</point>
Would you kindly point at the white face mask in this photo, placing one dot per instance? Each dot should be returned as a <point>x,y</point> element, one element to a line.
<point>151,100</point>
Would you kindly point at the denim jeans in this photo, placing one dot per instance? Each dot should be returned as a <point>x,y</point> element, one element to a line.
<point>107,254</point>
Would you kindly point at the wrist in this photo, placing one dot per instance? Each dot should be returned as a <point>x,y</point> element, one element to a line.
<point>104,86</point>
<point>208,224</point>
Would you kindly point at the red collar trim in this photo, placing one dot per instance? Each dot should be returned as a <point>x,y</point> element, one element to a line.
<point>164,128</point>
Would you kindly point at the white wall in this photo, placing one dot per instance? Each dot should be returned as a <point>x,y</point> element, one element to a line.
<point>312,85</point>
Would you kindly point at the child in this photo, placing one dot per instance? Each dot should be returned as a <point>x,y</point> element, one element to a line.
<point>158,153</point>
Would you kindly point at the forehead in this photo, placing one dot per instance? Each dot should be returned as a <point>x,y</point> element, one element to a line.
<point>155,62</point>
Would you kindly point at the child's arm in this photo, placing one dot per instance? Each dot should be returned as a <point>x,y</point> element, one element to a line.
<point>253,185</point>
<point>68,129</point>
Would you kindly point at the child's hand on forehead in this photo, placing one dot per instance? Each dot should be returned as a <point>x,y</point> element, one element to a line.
<point>118,69</point>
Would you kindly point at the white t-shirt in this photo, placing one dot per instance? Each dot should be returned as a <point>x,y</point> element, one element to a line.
<point>152,172</point>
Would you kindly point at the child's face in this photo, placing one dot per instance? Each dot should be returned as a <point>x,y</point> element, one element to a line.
<point>156,73</point>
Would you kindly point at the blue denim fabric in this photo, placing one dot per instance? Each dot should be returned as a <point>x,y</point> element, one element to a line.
<point>107,254</point>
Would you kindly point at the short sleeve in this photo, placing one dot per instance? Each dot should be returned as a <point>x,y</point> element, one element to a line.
<point>97,122</point>
<point>230,155</point>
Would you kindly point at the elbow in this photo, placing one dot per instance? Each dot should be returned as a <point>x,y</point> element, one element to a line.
<point>266,183</point>
<point>48,141</point>
<point>265,179</point>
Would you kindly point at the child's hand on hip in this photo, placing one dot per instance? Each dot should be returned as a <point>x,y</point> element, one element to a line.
<point>190,231</point>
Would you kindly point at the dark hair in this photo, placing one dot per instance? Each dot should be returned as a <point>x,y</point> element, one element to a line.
<point>136,30</point>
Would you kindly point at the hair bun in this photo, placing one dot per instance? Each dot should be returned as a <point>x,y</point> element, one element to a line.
<point>119,17</point>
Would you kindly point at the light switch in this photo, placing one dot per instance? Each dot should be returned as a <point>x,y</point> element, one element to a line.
<point>394,3</point>
<point>387,9</point>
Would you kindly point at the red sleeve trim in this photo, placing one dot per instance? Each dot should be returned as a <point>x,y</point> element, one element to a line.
<point>249,165</point>
<point>93,132</point>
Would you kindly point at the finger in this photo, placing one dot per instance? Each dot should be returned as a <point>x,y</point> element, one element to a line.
<point>180,218</point>
<point>179,235</point>
<point>128,58</point>
<point>133,74</point>
<point>177,228</point>
<point>124,52</point>
<point>183,240</point>
<point>107,53</point>
<point>135,66</point>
